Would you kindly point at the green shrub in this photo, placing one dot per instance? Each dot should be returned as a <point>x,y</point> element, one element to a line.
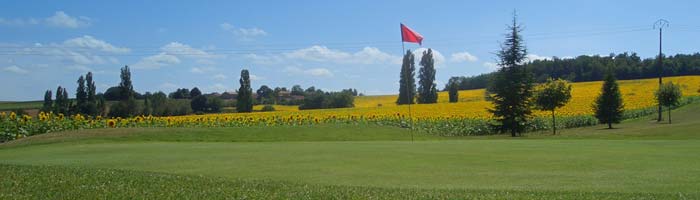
<point>267,108</point>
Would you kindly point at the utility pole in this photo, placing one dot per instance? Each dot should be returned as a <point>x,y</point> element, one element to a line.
<point>660,24</point>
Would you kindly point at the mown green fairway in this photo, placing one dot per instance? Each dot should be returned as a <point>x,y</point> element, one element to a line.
<point>641,159</point>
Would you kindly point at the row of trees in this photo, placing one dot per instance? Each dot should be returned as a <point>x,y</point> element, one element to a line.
<point>319,99</point>
<point>267,95</point>
<point>182,101</point>
<point>593,68</point>
<point>86,100</point>
<point>313,98</point>
<point>427,91</point>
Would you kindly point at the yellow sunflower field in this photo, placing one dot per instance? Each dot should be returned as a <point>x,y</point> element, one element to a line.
<point>469,116</point>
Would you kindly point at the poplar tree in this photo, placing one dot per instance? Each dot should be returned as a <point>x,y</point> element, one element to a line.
<point>81,96</point>
<point>91,106</point>
<point>407,82</point>
<point>427,91</point>
<point>244,99</point>
<point>48,102</point>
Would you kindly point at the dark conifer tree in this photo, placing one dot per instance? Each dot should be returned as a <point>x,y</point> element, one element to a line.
<point>512,86</point>
<point>608,105</point>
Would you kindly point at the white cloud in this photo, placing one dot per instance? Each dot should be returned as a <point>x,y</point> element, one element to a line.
<point>63,20</point>
<point>81,68</point>
<point>89,42</point>
<point>316,53</point>
<point>370,55</point>
<point>18,22</point>
<point>167,86</point>
<point>322,72</point>
<point>220,77</point>
<point>463,57</point>
<point>243,33</point>
<point>533,57</point>
<point>83,50</point>
<point>156,61</point>
<point>264,60</point>
<point>172,53</point>
<point>492,66</point>
<point>439,58</point>
<point>179,49</point>
<point>226,26</point>
<point>319,54</point>
<point>59,19</point>
<point>15,69</point>
<point>81,58</point>
<point>197,70</point>
<point>319,72</point>
<point>292,69</point>
<point>250,32</point>
<point>218,87</point>
<point>256,78</point>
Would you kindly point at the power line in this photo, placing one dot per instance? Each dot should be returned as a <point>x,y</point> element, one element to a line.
<point>14,50</point>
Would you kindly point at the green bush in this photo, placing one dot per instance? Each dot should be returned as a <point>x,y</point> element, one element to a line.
<point>267,108</point>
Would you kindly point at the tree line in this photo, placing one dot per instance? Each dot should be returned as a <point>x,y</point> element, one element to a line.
<point>626,66</point>
<point>87,102</point>
<point>513,93</point>
<point>122,100</point>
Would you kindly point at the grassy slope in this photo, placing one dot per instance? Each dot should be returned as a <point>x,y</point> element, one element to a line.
<point>11,105</point>
<point>229,134</point>
<point>686,125</point>
<point>641,158</point>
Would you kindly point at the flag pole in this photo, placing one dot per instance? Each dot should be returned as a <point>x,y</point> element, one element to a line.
<point>408,92</point>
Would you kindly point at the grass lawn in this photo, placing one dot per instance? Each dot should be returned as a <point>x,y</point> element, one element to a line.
<point>639,159</point>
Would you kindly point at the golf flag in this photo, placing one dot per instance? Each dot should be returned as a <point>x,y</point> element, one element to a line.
<point>408,35</point>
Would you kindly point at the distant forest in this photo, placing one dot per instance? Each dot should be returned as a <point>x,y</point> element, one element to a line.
<point>592,68</point>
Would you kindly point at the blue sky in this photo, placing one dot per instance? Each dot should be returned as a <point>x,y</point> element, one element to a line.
<point>327,44</point>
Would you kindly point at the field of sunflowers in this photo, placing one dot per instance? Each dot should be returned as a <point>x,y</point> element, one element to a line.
<point>469,116</point>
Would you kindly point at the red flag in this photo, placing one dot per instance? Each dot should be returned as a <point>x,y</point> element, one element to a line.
<point>408,35</point>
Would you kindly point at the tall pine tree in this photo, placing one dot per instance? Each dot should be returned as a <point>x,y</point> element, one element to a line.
<point>512,86</point>
<point>244,99</point>
<point>407,82</point>
<point>608,105</point>
<point>427,91</point>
